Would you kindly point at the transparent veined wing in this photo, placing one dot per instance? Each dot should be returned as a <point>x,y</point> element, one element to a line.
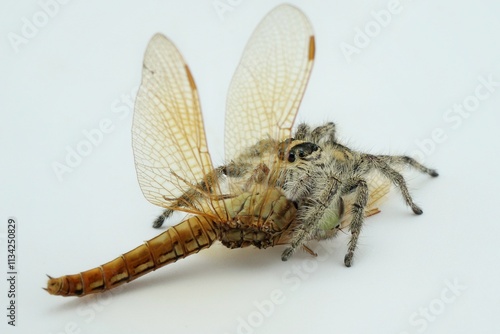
<point>268,85</point>
<point>168,136</point>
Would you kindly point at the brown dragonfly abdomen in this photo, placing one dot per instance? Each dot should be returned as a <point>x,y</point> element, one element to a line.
<point>180,241</point>
<point>259,219</point>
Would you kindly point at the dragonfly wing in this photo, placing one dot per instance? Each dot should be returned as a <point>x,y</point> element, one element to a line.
<point>168,136</point>
<point>268,85</point>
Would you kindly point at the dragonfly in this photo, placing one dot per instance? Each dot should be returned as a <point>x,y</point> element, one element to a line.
<point>243,202</point>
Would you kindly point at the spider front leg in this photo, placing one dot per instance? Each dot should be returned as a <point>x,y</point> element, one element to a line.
<point>326,196</point>
<point>319,209</point>
<point>358,213</point>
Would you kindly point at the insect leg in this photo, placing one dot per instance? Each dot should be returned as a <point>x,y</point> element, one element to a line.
<point>161,218</point>
<point>192,195</point>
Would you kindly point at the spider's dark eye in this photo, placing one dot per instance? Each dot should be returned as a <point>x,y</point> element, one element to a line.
<point>291,157</point>
<point>301,153</point>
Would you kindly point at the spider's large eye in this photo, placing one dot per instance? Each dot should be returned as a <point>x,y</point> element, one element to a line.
<point>303,151</point>
<point>291,157</point>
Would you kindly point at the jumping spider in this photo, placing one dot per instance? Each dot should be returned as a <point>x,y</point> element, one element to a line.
<point>322,172</point>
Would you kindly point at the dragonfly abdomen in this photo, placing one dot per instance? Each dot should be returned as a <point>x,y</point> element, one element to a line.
<point>179,241</point>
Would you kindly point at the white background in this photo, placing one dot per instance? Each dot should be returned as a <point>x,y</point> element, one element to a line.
<point>85,61</point>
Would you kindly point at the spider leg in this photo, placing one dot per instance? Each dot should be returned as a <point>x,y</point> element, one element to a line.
<point>358,213</point>
<point>407,161</point>
<point>320,135</point>
<point>396,178</point>
<point>312,212</point>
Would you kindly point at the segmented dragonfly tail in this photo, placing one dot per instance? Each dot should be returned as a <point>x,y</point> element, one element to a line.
<point>179,241</point>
